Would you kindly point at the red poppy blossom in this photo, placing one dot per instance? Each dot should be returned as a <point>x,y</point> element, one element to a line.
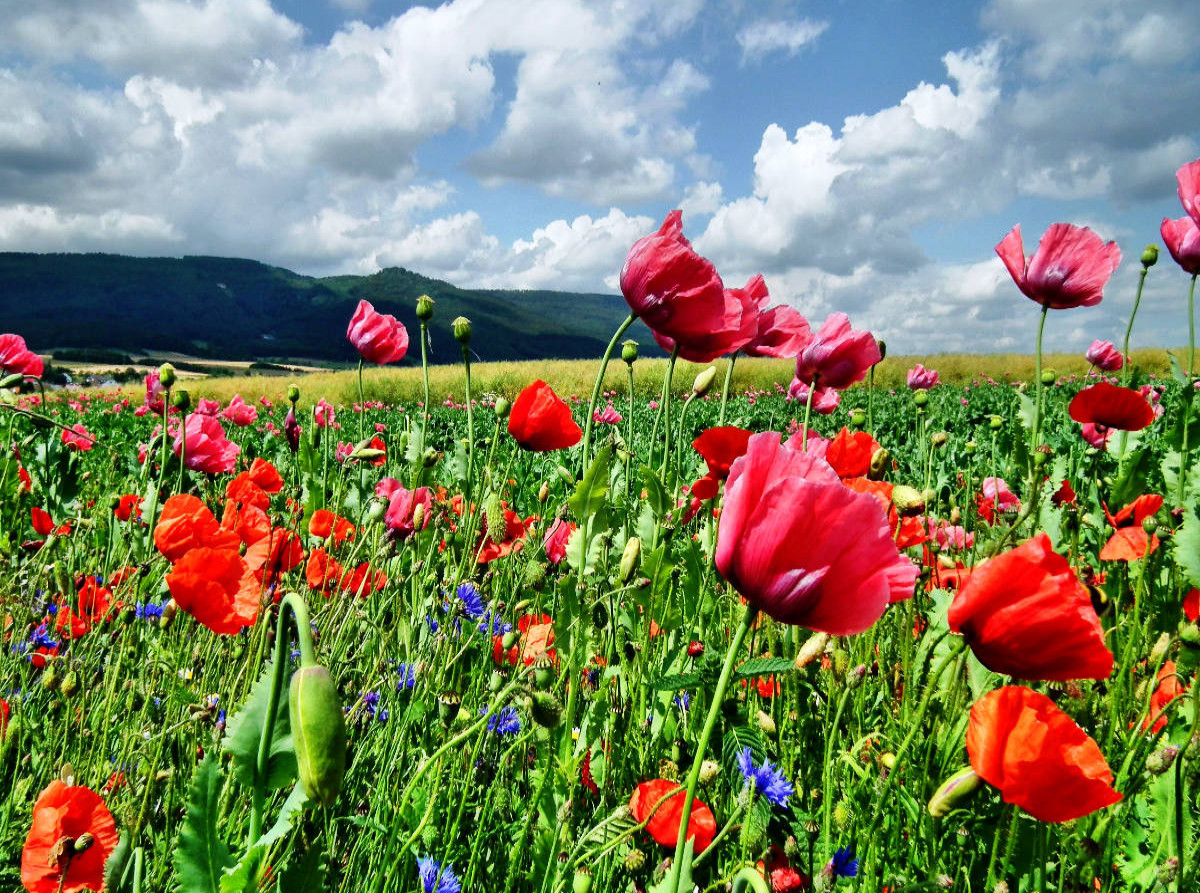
<point>378,337</point>
<point>186,523</point>
<point>803,548</point>
<point>719,447</point>
<point>535,642</point>
<point>63,811</point>
<point>732,326</point>
<point>1112,406</point>
<point>850,453</point>
<point>1188,178</point>
<point>78,438</point>
<point>324,522</point>
<point>540,421</point>
<point>837,356</point>
<point>781,331</point>
<point>363,580</point>
<point>1104,356</point>
<point>1025,613</point>
<point>1039,759</point>
<point>1168,689</point>
<point>266,476</point>
<point>127,506</point>
<point>242,489</point>
<point>556,539</point>
<point>322,573</point>
<point>1182,238</point>
<point>515,528</point>
<point>1130,541</point>
<point>1191,605</point>
<point>43,524</point>
<point>217,588</point>
<point>1069,268</point>
<point>16,357</point>
<point>653,801</point>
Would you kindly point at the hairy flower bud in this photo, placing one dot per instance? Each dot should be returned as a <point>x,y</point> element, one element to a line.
<point>461,327</point>
<point>318,732</point>
<point>1150,256</point>
<point>502,407</point>
<point>908,500</point>
<point>704,381</point>
<point>813,647</point>
<point>1160,761</point>
<point>545,709</point>
<point>631,558</point>
<point>882,348</point>
<point>166,375</point>
<point>629,351</point>
<point>953,791</point>
<point>858,418</point>
<point>424,308</point>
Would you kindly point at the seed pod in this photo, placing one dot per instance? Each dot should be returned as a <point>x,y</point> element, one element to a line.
<point>502,407</point>
<point>1048,376</point>
<point>1150,256</point>
<point>582,882</point>
<point>318,732</point>
<point>166,375</point>
<point>858,418</point>
<point>953,791</point>
<point>293,393</point>
<point>629,351</point>
<point>545,709</point>
<point>424,308</point>
<point>461,327</point>
<point>920,398</point>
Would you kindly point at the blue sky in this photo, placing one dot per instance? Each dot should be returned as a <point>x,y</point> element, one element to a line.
<point>864,156</point>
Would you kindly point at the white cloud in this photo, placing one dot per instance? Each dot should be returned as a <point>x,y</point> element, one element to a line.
<point>767,36</point>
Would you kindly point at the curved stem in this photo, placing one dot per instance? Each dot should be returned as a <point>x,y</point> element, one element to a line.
<point>725,390</point>
<point>1125,367</point>
<point>710,723</point>
<point>587,424</point>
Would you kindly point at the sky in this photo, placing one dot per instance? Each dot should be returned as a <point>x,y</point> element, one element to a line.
<point>865,156</point>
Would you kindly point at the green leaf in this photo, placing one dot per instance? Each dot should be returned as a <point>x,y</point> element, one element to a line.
<point>243,877</point>
<point>676,681</point>
<point>1186,546</point>
<point>115,865</point>
<point>763,666</point>
<point>1131,481</point>
<point>201,856</point>
<point>307,875</point>
<point>733,742</point>
<point>1026,410</point>
<point>754,825</point>
<point>245,729</point>
<point>656,494</point>
<point>575,556</point>
<point>591,492</point>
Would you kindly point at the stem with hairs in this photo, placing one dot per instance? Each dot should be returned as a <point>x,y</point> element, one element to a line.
<point>587,424</point>
<point>725,390</point>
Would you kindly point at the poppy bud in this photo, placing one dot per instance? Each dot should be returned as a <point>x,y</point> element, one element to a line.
<point>429,458</point>
<point>503,405</point>
<point>582,882</point>
<point>169,610</point>
<point>545,709</point>
<point>9,380</point>
<point>843,814</point>
<point>996,422</point>
<point>953,791</point>
<point>882,348</point>
<point>424,308</point>
<point>630,558</point>
<point>318,732</point>
<point>1160,761</point>
<point>907,500</point>
<point>1159,651</point>
<point>970,447</point>
<point>599,616</point>
<point>449,703</point>
<point>704,381</point>
<point>1048,376</point>
<point>377,511</point>
<point>544,492</point>
<point>461,327</point>
<point>858,418</point>
<point>1150,256</point>
<point>812,648</point>
<point>565,474</point>
<point>695,649</point>
<point>634,859</point>
<point>166,375</point>
<point>668,769</point>
<point>765,723</point>
<point>879,463</point>
<point>629,351</point>
<point>70,685</point>
<point>509,640</point>
<point>920,398</point>
<point>293,393</point>
<point>543,673</point>
<point>50,678</point>
<point>855,677</point>
<point>939,439</point>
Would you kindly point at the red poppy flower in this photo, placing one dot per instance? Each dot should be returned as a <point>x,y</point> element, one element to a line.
<point>837,356</point>
<point>850,453</point>
<point>77,438</point>
<point>266,476</point>
<point>240,412</point>
<point>402,509</point>
<point>1191,605</point>
<point>1022,744</point>
<point>43,524</point>
<point>1112,406</point>
<point>1069,268</point>
<point>1182,238</point>
<point>217,587</point>
<point>732,327</point>
<point>208,450</point>
<point>128,504</point>
<point>1025,613</point>
<point>1064,495</point>
<point>363,580</point>
<point>186,523</point>
<point>781,331</point>
<point>4,714</point>
<point>653,801</point>
<point>61,815</point>
<point>1169,688</point>
<point>1188,178</point>
<point>1130,541</point>
<point>16,357</point>
<point>535,641</point>
<point>324,522</point>
<point>541,421</point>
<point>802,547</point>
<point>378,337</point>
<point>322,572</point>
<point>719,447</point>
<point>242,489</point>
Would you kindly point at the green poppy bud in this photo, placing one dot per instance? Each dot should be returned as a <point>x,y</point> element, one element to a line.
<point>166,375</point>
<point>631,558</point>
<point>424,308</point>
<point>1048,376</point>
<point>858,418</point>
<point>879,463</point>
<point>70,685</point>
<point>503,405</point>
<point>629,351</point>
<point>461,327</point>
<point>996,422</point>
<point>582,882</point>
<point>970,446</point>
<point>704,381</point>
<point>954,790</point>
<point>10,380</point>
<point>318,733</point>
<point>181,400</point>
<point>939,439</point>
<point>813,647</point>
<point>293,393</point>
<point>545,709</point>
<point>429,458</point>
<point>1150,256</point>
<point>920,398</point>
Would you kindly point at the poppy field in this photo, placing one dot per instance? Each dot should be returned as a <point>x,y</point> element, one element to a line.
<point>824,635</point>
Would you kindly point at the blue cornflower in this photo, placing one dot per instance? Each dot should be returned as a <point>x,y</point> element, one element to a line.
<point>683,701</point>
<point>843,863</point>
<point>504,721</point>
<point>433,624</point>
<point>768,780</point>
<point>473,604</point>
<point>493,624</point>
<point>370,701</point>
<point>408,677</point>
<point>40,638</point>
<point>436,879</point>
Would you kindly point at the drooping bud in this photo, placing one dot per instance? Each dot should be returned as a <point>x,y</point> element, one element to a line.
<point>544,492</point>
<point>291,429</point>
<point>812,648</point>
<point>84,842</point>
<point>882,349</point>
<point>70,685</point>
<point>710,771</point>
<point>704,381</point>
<point>1160,761</point>
<point>318,732</point>
<point>166,375</point>
<point>1150,256</point>
<point>953,791</point>
<point>631,558</point>
<point>424,308</point>
<point>629,351</point>
<point>766,723</point>
<point>1159,651</point>
<point>879,463</point>
<point>939,439</point>
<point>461,327</point>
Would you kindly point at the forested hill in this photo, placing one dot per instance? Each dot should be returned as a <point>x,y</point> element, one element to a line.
<point>229,308</point>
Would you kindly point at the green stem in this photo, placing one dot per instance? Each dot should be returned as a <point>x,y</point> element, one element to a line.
<point>725,390</point>
<point>425,370</point>
<point>1037,379</point>
<point>1126,365</point>
<point>466,352</point>
<point>710,724</point>
<point>666,411</point>
<point>827,779</point>
<point>1181,486</point>
<point>599,383</point>
<point>812,389</point>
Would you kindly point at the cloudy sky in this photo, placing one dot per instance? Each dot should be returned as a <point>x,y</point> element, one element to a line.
<point>864,156</point>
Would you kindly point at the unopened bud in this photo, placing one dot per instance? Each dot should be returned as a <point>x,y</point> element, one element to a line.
<point>424,308</point>
<point>882,348</point>
<point>293,393</point>
<point>855,677</point>
<point>1150,256</point>
<point>1160,761</point>
<point>166,375</point>
<point>545,709</point>
<point>429,458</point>
<point>502,407</point>
<point>631,558</point>
<point>84,842</point>
<point>970,447</point>
<point>765,723</point>
<point>318,732</point>
<point>1159,651</point>
<point>181,400</point>
<point>908,500</point>
<point>544,492</point>
<point>461,327</point>
<point>70,685</point>
<point>996,422</point>
<point>634,860</point>
<point>710,771</point>
<point>704,381</point>
<point>939,439</point>
<point>813,647</point>
<point>953,791</point>
<point>629,351</point>
<point>879,463</point>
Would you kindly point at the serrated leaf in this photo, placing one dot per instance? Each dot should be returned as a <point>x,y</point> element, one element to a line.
<point>613,827</point>
<point>1132,478</point>
<point>575,556</point>
<point>243,877</point>
<point>764,666</point>
<point>201,856</point>
<point>1186,546</point>
<point>677,681</point>
<point>733,742</point>
<point>245,729</point>
<point>1026,410</point>
<point>592,490</point>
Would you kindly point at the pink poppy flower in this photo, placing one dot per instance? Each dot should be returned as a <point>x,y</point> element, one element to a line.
<point>208,450</point>
<point>802,547</point>
<point>323,414</point>
<point>609,416</point>
<point>1188,178</point>
<point>1104,356</point>
<point>378,337</point>
<point>555,541</point>
<point>922,379</point>
<point>77,437</point>
<point>239,412</point>
<point>732,326</point>
<point>837,356</point>
<point>154,394</point>
<point>781,331</point>
<point>1095,435</point>
<point>825,400</point>
<point>16,357</point>
<point>204,406</point>
<point>401,511</point>
<point>1182,238</point>
<point>1069,268</point>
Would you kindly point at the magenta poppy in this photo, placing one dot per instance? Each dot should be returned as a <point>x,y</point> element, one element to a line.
<point>540,421</point>
<point>836,356</point>
<point>240,412</point>
<point>16,357</point>
<point>1188,178</point>
<point>781,331</point>
<point>556,539</point>
<point>1069,268</point>
<point>1104,356</point>
<point>921,379</point>
<point>401,514</point>
<point>803,548</point>
<point>207,448</point>
<point>1111,406</point>
<point>1182,238</point>
<point>728,328</point>
<point>378,337</point>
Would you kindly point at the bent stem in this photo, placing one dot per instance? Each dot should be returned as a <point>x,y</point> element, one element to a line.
<point>587,424</point>
<point>725,390</point>
<point>710,723</point>
<point>1125,366</point>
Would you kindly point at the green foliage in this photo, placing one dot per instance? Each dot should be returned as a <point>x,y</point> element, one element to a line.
<point>245,730</point>
<point>202,856</point>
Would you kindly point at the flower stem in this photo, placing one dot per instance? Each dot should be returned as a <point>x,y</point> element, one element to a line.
<point>1181,486</point>
<point>466,352</point>
<point>666,412</point>
<point>1035,440</point>
<point>1125,366</point>
<point>725,390</point>
<point>425,371</point>
<point>710,724</point>
<point>362,405</point>
<point>587,424</point>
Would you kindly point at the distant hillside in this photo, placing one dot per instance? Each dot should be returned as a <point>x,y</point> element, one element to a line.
<point>242,309</point>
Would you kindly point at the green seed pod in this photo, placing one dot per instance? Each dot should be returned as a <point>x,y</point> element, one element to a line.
<point>920,398</point>
<point>318,733</point>
<point>970,447</point>
<point>166,375</point>
<point>545,709</point>
<point>858,418</point>
<point>424,308</point>
<point>631,558</point>
<point>908,500</point>
<point>449,703</point>
<point>502,407</point>
<point>293,393</point>
<point>1150,256</point>
<point>1048,376</point>
<point>955,789</point>
<point>461,327</point>
<point>996,422</point>
<point>543,673</point>
<point>629,351</point>
<point>181,400</point>
<point>582,882</point>
<point>70,685</point>
<point>704,381</point>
